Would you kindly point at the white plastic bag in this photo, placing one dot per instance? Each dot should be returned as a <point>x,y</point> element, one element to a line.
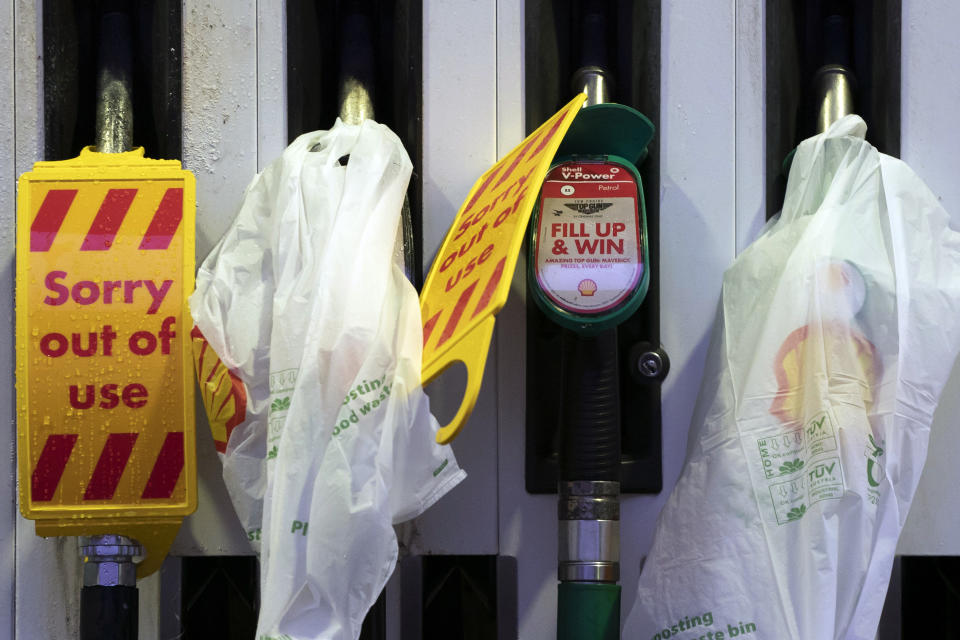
<point>837,331</point>
<point>325,435</point>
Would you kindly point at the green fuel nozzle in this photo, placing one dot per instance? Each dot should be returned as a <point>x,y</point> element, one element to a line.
<point>588,271</point>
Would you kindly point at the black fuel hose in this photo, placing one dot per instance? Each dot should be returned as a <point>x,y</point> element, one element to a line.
<point>594,41</point>
<point>109,613</point>
<point>591,408</point>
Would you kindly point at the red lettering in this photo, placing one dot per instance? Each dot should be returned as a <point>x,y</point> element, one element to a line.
<point>110,398</point>
<point>91,345</point>
<point>88,399</point>
<point>453,281</point>
<point>500,197</point>
<point>599,246</point>
<point>86,292</point>
<point>54,351</point>
<point>570,230</point>
<point>62,292</point>
<point>166,334</point>
<point>468,269</point>
<point>128,287</point>
<point>586,246</point>
<point>485,255</point>
<point>135,395</point>
<point>107,334</point>
<point>461,252</point>
<point>157,295</point>
<point>109,286</point>
<point>472,220</point>
<point>483,187</point>
<point>448,261</point>
<point>145,349</point>
<point>55,344</point>
<point>509,211</point>
<point>77,292</point>
<point>470,266</point>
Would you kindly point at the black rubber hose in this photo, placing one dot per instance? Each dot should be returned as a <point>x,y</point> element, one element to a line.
<point>116,45</point>
<point>594,36</point>
<point>590,413</point>
<point>836,40</point>
<point>109,613</point>
<point>357,49</point>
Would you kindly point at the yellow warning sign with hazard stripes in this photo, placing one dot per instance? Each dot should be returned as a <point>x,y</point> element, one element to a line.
<point>105,262</point>
<point>470,277</point>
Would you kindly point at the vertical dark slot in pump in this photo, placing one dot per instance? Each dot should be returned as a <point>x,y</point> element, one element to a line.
<point>71,37</point>
<point>228,584</point>
<point>464,597</point>
<point>378,42</point>
<point>360,60</point>
<point>555,49</point>
<point>815,47</point>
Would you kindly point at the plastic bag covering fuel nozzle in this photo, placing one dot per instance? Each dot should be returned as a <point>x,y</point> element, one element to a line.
<point>315,403</point>
<point>837,331</point>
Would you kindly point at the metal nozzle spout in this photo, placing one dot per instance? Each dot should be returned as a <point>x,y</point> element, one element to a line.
<point>834,85</point>
<point>595,82</point>
<point>114,125</point>
<point>356,103</point>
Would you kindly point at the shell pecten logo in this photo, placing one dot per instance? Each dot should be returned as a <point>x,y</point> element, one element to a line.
<point>587,287</point>
<point>223,393</point>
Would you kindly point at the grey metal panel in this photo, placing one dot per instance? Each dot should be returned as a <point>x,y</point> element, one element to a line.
<point>8,176</point>
<point>47,569</point>
<point>751,196</point>
<point>271,81</point>
<point>459,144</point>
<point>220,147</point>
<point>149,620</point>
<point>929,141</point>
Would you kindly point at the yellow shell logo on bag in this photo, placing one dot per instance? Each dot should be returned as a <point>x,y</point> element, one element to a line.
<point>841,294</point>
<point>223,393</point>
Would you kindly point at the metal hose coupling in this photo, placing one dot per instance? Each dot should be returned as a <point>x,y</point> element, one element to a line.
<point>109,561</point>
<point>589,519</point>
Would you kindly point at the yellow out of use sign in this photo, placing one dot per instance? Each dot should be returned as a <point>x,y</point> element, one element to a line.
<point>470,277</point>
<point>105,412</point>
